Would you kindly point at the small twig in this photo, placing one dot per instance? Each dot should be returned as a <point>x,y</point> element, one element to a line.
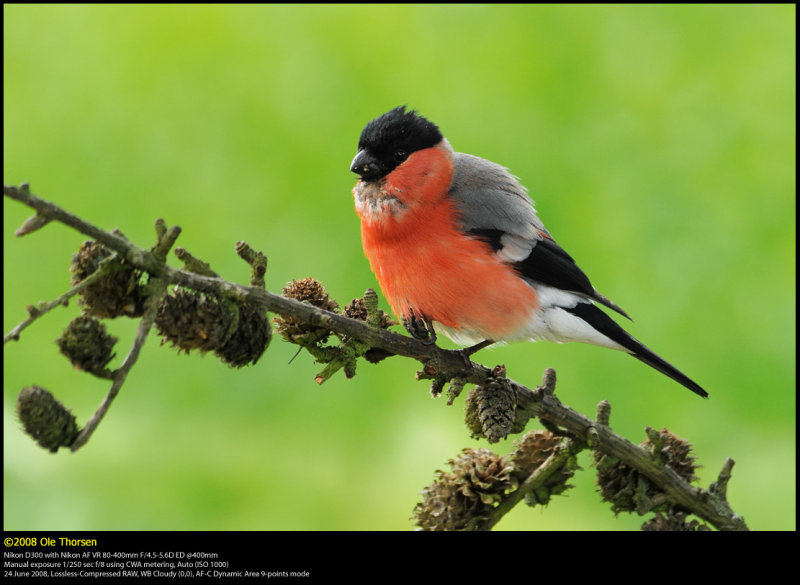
<point>119,375</point>
<point>166,239</point>
<point>720,487</point>
<point>37,311</point>
<point>32,224</point>
<point>603,416</point>
<point>193,264</point>
<point>136,256</point>
<point>257,262</point>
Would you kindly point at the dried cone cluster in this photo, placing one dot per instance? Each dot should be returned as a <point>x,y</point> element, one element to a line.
<point>193,320</point>
<point>530,452</point>
<point>237,334</point>
<point>309,291</point>
<point>490,409</point>
<point>117,293</point>
<point>87,345</point>
<point>250,340</point>
<point>627,490</point>
<point>674,521</point>
<point>461,499</point>
<point>677,453</point>
<point>45,419</point>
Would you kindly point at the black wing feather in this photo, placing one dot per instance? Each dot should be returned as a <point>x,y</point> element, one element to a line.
<point>608,327</point>
<point>550,264</point>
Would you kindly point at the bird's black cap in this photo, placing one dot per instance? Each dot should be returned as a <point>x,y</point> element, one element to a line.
<point>389,139</point>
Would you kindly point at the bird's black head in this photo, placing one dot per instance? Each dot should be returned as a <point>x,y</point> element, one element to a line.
<point>390,139</point>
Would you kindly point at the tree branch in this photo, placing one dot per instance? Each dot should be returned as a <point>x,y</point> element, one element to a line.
<point>438,364</point>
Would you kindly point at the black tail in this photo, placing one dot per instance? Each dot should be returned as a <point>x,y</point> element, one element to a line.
<point>608,327</point>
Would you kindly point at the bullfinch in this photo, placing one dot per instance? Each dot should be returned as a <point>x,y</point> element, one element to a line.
<point>457,248</point>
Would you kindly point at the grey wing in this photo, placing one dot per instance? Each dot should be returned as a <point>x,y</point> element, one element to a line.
<point>489,197</point>
<point>493,206</point>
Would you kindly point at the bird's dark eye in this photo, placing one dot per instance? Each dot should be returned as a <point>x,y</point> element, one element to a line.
<point>400,156</point>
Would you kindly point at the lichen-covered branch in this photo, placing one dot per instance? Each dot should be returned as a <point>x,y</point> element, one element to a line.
<point>655,476</point>
<point>205,312</point>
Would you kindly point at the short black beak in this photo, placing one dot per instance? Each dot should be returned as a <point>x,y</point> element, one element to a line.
<point>367,166</point>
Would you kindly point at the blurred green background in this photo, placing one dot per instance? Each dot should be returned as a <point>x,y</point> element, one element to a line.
<point>657,141</point>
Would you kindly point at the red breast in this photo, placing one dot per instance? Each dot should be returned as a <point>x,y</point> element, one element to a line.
<point>423,261</point>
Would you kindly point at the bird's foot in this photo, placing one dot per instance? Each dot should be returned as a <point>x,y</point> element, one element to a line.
<point>420,327</point>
